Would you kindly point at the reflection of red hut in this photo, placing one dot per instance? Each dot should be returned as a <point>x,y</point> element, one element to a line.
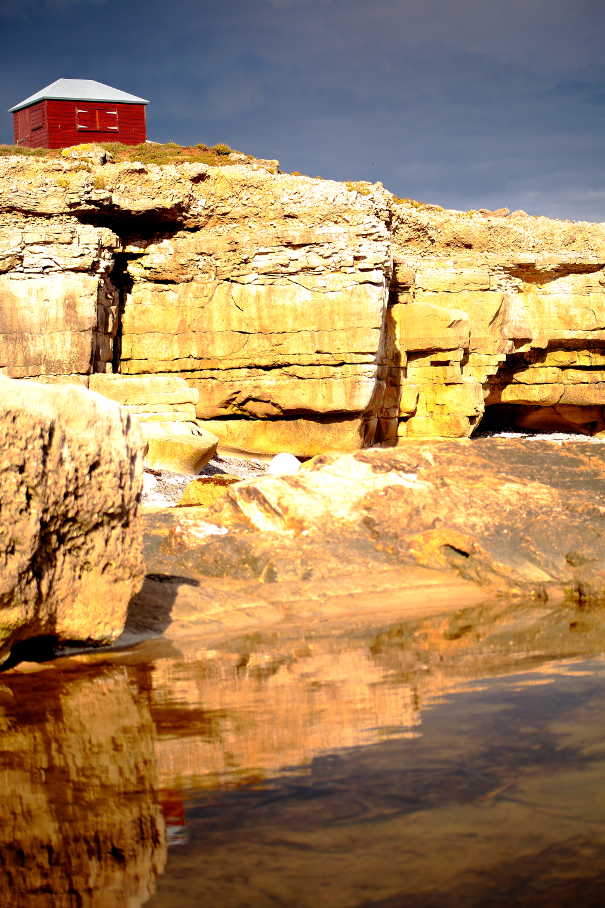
<point>71,111</point>
<point>173,808</point>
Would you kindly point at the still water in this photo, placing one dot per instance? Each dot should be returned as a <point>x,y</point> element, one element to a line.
<point>326,774</point>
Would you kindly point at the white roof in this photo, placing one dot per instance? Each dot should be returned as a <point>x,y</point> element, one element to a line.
<point>79,90</point>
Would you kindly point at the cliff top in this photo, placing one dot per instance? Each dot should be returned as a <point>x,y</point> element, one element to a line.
<point>426,229</point>
<point>152,153</point>
<point>161,180</point>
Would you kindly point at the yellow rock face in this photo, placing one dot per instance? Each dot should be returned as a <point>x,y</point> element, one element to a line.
<point>308,315</point>
<point>178,451</point>
<point>535,324</point>
<point>306,436</point>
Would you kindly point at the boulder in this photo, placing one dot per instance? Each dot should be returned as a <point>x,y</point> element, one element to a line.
<point>70,484</point>
<point>178,447</point>
<point>207,490</point>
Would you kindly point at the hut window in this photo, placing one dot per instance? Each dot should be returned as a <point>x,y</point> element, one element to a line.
<point>97,120</point>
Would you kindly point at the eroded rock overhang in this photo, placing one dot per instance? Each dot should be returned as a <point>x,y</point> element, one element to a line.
<point>309,314</point>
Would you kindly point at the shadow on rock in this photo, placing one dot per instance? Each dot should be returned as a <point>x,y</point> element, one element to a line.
<point>149,612</point>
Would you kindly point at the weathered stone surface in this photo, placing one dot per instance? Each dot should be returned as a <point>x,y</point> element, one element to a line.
<point>306,436</point>
<point>294,305</point>
<point>269,315</point>
<point>150,396</point>
<point>265,291</point>
<point>70,483</point>
<point>528,291</point>
<point>58,305</point>
<point>49,325</point>
<point>177,447</point>
<point>485,508</point>
<point>426,529</point>
<point>207,490</point>
<point>164,408</point>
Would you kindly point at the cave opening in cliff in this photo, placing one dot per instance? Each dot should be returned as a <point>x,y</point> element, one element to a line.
<point>534,419</point>
<point>557,388</point>
<point>122,281</point>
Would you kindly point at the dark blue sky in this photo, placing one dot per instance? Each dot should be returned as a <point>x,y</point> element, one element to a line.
<point>466,103</point>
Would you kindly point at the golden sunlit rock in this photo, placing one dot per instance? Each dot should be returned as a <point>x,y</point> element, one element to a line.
<point>70,483</point>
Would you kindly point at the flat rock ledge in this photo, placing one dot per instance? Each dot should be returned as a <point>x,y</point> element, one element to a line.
<point>71,465</point>
<point>432,527</point>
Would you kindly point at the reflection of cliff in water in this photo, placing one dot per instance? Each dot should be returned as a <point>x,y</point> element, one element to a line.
<point>497,803</point>
<point>80,821</point>
<point>330,760</point>
<point>263,703</point>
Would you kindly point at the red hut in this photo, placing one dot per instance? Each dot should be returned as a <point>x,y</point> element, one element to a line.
<point>72,111</point>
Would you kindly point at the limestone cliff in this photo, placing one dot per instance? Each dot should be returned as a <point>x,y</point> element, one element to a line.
<point>308,314</point>
<point>498,310</point>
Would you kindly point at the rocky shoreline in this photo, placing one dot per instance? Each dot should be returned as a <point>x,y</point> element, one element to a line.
<point>215,316</point>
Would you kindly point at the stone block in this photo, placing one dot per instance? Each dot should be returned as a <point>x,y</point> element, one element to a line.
<point>207,490</point>
<point>409,399</point>
<point>301,437</point>
<point>171,447</point>
<point>447,425</point>
<point>70,482</point>
<point>482,309</point>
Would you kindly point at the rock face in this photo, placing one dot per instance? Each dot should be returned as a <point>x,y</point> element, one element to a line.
<point>272,307</point>
<point>309,315</point>
<point>500,319</point>
<point>70,484</point>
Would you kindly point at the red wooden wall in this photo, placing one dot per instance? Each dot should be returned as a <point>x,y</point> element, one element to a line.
<point>58,124</point>
<point>30,126</point>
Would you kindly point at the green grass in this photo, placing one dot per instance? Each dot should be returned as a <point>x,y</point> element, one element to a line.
<point>6,150</point>
<point>146,152</point>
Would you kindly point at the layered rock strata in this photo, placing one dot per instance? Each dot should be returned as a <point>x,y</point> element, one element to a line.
<point>309,315</point>
<point>503,313</point>
<point>267,292</point>
<point>70,485</point>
